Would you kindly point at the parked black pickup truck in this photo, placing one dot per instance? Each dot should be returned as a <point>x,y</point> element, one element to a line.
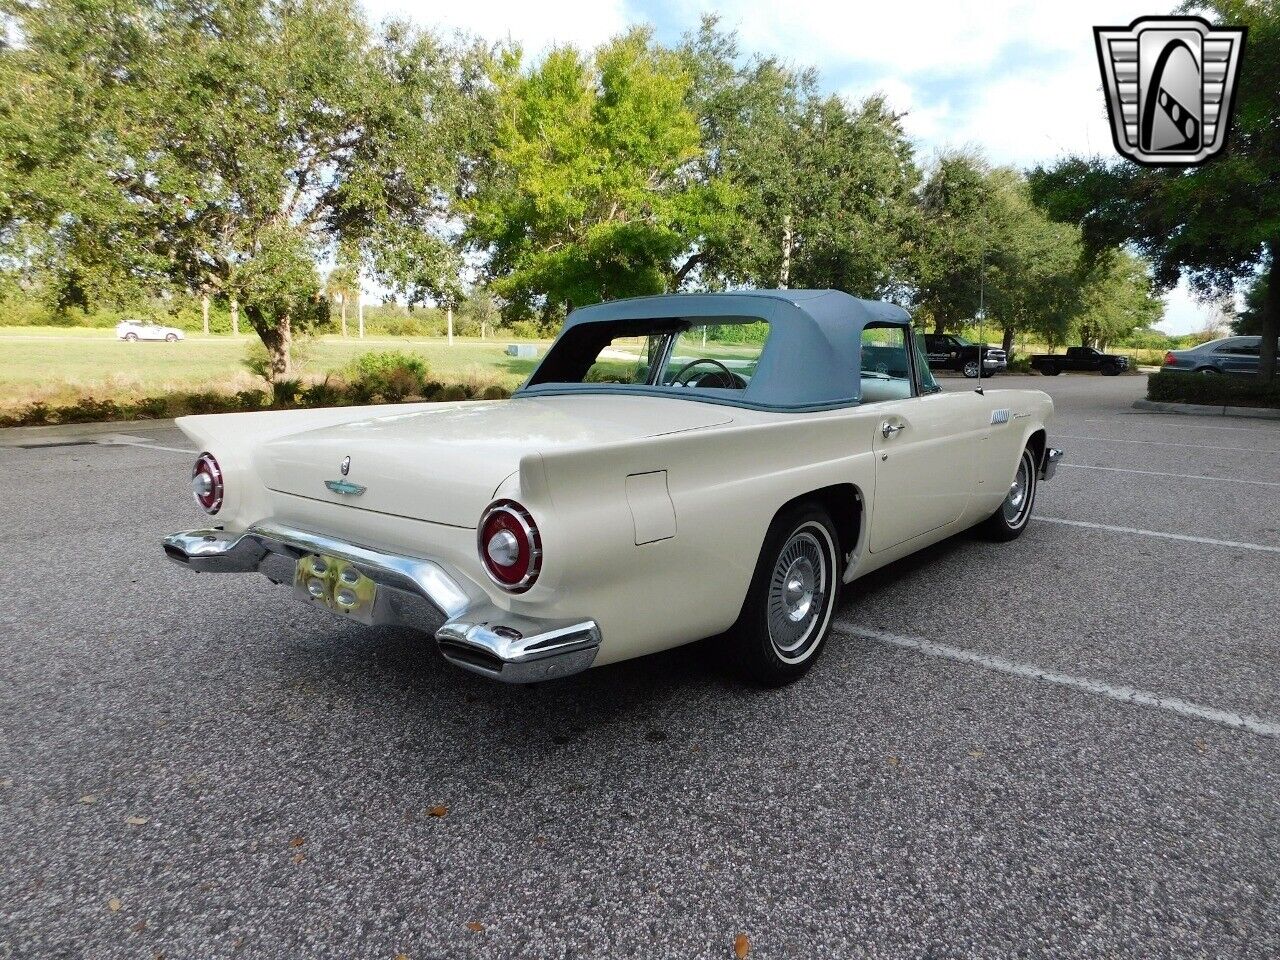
<point>949,352</point>
<point>1080,358</point>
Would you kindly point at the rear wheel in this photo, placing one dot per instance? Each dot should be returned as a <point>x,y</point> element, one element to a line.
<point>787,612</point>
<point>1208,371</point>
<point>171,337</point>
<point>131,337</point>
<point>1050,370</point>
<point>1011,519</point>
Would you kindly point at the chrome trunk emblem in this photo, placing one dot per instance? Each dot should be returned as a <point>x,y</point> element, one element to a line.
<point>346,466</point>
<point>345,487</point>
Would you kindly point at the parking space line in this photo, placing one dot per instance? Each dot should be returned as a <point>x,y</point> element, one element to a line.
<point>1161,443</point>
<point>1159,473</point>
<point>1179,425</point>
<point>1234,544</point>
<point>1119,692</point>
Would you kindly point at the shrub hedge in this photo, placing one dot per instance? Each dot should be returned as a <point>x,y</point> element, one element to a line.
<point>1168,386</point>
<point>289,395</point>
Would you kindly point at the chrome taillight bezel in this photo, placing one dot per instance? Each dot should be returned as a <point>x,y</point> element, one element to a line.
<point>208,465</point>
<point>515,518</point>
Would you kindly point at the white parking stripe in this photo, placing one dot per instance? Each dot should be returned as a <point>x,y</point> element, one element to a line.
<point>1124,694</point>
<point>1161,443</point>
<point>1179,425</point>
<point>1158,473</point>
<point>1236,544</point>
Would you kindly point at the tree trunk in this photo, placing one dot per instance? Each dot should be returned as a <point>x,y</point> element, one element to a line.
<point>1007,341</point>
<point>1271,316</point>
<point>360,314</point>
<point>784,275</point>
<point>235,317</point>
<point>344,315</point>
<point>277,338</point>
<point>204,311</point>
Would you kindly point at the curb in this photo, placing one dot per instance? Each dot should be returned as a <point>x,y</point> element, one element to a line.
<point>1207,410</point>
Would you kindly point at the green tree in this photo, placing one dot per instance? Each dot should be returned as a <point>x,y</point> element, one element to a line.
<point>822,191</point>
<point>1248,321</point>
<point>1116,299</point>
<point>201,144</point>
<point>1218,223</point>
<point>584,195</point>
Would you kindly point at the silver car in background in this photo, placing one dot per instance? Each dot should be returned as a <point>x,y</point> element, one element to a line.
<point>1225,355</point>
<point>135,330</point>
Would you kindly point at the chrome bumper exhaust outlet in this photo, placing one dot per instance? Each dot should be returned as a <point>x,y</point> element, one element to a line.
<point>516,649</point>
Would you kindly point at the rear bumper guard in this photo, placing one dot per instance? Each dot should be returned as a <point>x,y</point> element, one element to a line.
<point>418,593</point>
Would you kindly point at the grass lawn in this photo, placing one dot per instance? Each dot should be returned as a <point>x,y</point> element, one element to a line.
<point>61,365</point>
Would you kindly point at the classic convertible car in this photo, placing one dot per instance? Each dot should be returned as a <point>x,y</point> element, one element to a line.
<point>676,468</point>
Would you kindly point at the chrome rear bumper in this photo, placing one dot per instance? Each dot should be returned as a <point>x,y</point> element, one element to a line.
<point>413,592</point>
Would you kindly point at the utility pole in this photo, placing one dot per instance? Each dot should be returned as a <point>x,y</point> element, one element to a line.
<point>448,312</point>
<point>235,317</point>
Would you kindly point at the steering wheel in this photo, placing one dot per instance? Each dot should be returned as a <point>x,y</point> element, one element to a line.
<point>734,379</point>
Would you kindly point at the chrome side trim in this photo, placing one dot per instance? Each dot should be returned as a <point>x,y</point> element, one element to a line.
<point>1052,457</point>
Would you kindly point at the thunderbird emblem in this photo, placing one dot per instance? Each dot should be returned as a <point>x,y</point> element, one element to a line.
<point>345,487</point>
<point>1170,83</point>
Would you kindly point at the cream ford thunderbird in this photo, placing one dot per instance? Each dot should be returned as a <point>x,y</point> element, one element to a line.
<point>675,468</point>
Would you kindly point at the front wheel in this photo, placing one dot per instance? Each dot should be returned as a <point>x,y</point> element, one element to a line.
<point>786,616</point>
<point>1010,520</point>
<point>971,369</point>
<point>1050,370</point>
<point>1111,370</point>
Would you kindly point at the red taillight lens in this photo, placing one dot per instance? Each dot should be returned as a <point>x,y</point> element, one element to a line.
<point>206,483</point>
<point>510,547</point>
<point>1170,359</point>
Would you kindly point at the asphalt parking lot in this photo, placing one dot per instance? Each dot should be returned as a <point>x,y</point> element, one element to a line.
<point>1067,746</point>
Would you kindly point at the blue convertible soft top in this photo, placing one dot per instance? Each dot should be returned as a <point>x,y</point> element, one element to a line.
<point>811,359</point>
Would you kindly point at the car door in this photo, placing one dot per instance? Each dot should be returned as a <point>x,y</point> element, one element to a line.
<point>924,445</point>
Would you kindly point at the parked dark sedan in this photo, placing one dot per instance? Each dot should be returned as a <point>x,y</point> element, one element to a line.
<point>1227,355</point>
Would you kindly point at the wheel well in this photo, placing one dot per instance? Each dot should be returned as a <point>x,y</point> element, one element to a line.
<point>1037,443</point>
<point>843,502</point>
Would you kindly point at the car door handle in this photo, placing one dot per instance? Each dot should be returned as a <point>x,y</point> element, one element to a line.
<point>888,429</point>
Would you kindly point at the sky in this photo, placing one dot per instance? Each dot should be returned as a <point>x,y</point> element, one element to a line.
<point>1017,79</point>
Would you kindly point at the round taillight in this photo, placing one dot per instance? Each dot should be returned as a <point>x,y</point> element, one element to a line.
<point>206,483</point>
<point>509,544</point>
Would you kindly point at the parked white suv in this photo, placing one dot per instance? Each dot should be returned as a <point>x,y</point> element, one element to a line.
<point>135,330</point>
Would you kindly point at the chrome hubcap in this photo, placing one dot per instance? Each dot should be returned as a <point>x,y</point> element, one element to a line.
<point>1015,503</point>
<point>797,591</point>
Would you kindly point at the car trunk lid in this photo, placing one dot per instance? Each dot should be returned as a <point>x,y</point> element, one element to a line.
<point>444,464</point>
